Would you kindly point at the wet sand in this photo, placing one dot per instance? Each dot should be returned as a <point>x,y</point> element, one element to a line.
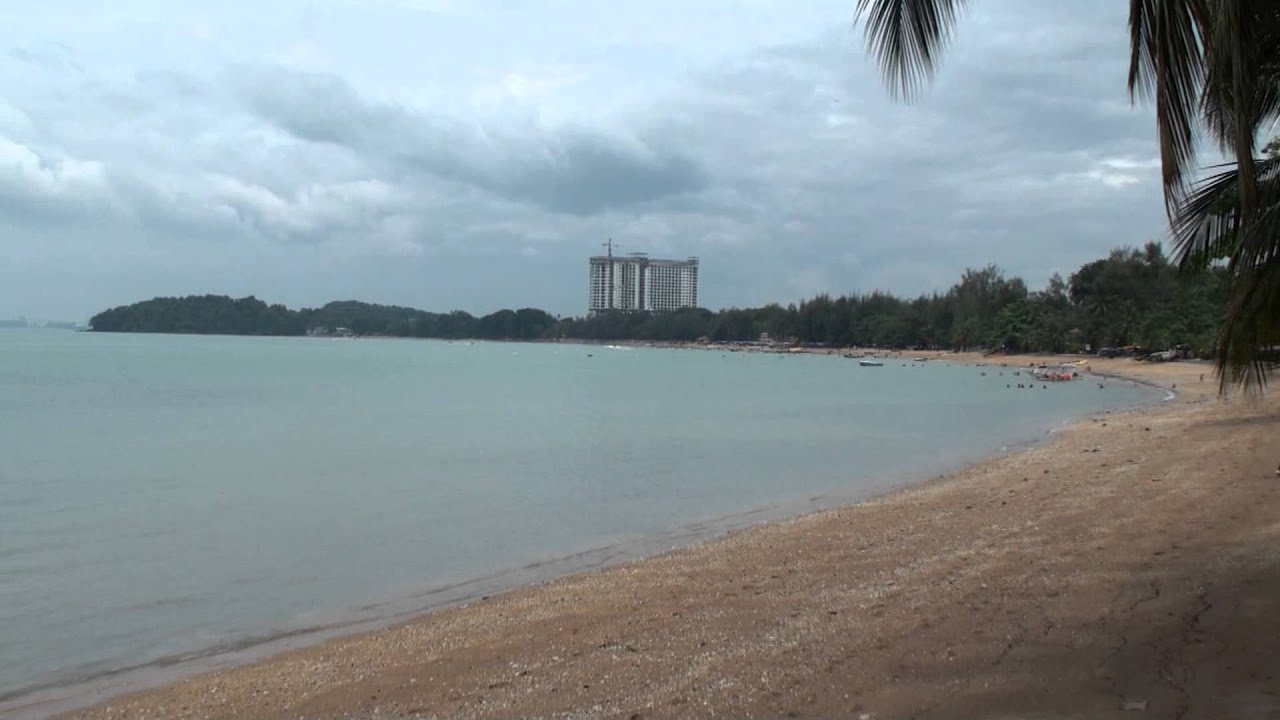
<point>1130,565</point>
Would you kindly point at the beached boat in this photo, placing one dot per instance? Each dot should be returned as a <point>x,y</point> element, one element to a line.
<point>870,363</point>
<point>1060,373</point>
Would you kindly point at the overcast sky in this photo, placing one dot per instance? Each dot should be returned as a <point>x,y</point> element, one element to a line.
<point>464,154</point>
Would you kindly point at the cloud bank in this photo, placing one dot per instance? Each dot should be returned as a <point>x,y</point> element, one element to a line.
<point>447,155</point>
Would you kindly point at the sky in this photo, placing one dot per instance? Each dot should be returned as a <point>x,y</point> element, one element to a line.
<point>454,154</point>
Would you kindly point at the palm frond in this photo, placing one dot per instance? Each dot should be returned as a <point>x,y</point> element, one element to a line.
<point>1205,227</point>
<point>1211,226</point>
<point>1167,62</point>
<point>1231,60</point>
<point>1250,329</point>
<point>1207,222</point>
<point>907,38</point>
<point>1267,25</point>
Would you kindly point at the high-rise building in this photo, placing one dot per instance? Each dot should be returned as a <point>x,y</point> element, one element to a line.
<point>637,282</point>
<point>671,284</point>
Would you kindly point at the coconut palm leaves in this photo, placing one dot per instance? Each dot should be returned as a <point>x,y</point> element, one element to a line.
<point>1212,68</point>
<point>1212,225</point>
<point>1230,215</point>
<point>908,37</point>
<point>1167,62</point>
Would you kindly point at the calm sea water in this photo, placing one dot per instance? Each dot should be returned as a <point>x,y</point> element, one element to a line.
<point>164,495</point>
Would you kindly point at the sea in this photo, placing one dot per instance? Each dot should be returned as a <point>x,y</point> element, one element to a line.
<point>172,500</point>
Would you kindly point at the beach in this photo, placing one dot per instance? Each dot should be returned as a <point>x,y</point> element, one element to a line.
<point>1128,565</point>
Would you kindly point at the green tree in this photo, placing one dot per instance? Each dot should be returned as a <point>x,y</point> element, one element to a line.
<point>978,298</point>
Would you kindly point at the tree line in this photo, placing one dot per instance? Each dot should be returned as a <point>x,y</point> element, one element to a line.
<point>222,315</point>
<point>1131,297</point>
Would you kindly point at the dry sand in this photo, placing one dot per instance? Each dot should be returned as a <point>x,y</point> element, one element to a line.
<point>1131,567</point>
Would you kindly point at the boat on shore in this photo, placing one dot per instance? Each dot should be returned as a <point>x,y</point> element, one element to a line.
<point>1060,373</point>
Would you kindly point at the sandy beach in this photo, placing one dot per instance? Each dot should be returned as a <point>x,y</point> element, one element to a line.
<point>1128,568</point>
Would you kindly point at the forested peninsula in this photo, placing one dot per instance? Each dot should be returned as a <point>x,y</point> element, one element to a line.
<point>1131,297</point>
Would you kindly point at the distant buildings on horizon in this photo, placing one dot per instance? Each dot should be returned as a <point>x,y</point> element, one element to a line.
<point>638,283</point>
<point>22,322</point>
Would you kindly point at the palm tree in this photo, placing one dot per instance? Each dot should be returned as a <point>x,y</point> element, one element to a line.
<point>1210,66</point>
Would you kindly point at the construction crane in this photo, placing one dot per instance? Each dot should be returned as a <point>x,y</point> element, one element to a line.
<point>608,246</point>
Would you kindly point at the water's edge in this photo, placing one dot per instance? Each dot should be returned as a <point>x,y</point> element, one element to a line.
<point>65,696</point>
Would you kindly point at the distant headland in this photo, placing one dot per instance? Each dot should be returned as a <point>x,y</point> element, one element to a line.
<point>1132,297</point>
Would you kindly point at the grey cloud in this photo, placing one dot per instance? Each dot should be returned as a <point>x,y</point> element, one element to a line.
<point>1000,161</point>
<point>49,56</point>
<point>44,188</point>
<point>788,170</point>
<point>569,170</point>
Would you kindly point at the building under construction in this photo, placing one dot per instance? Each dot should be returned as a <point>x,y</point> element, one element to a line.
<point>638,283</point>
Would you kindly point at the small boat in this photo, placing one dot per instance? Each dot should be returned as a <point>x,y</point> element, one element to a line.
<point>1062,373</point>
<point>870,363</point>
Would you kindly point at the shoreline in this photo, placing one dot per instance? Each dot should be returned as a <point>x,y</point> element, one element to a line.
<point>717,539</point>
<point>63,698</point>
<point>389,613</point>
